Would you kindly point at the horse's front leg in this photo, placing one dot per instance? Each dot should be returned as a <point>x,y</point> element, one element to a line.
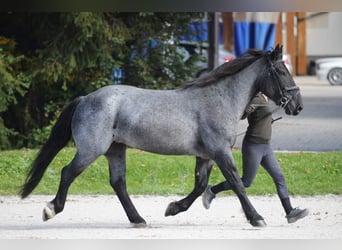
<point>227,166</point>
<point>202,173</point>
<point>116,157</point>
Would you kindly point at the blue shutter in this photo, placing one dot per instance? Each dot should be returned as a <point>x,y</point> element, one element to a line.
<point>254,30</point>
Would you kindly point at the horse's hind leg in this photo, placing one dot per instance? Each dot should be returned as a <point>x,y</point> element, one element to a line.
<point>116,157</point>
<point>202,173</point>
<point>69,173</point>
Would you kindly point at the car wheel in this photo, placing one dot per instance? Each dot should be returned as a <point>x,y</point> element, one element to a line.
<point>335,76</point>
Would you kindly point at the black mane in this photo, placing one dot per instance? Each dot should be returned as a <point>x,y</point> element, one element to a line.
<point>229,68</point>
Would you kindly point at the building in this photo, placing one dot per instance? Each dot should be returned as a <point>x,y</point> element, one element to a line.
<point>306,36</point>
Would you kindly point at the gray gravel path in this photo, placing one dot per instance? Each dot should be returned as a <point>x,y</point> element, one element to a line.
<point>102,217</point>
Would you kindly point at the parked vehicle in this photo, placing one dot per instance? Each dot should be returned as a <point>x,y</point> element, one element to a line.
<point>330,69</point>
<point>191,49</point>
<point>287,61</point>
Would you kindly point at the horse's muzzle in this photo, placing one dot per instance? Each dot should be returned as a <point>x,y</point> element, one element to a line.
<point>295,111</point>
<point>295,105</point>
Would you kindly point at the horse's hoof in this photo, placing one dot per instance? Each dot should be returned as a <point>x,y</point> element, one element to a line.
<point>48,212</point>
<point>172,209</point>
<point>139,225</point>
<point>137,222</point>
<point>258,223</point>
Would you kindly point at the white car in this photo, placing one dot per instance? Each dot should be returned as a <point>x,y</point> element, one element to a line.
<point>287,61</point>
<point>330,69</point>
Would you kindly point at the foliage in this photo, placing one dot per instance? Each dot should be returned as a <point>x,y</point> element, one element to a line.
<point>13,84</point>
<point>306,174</point>
<point>47,59</point>
<point>154,59</point>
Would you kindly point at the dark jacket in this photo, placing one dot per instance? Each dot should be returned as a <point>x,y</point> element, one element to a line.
<point>259,121</point>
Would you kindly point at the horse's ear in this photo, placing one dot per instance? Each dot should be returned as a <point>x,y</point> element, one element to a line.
<point>273,53</point>
<point>280,50</point>
<point>277,53</point>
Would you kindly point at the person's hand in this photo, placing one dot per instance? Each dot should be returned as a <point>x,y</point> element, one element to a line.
<point>250,109</point>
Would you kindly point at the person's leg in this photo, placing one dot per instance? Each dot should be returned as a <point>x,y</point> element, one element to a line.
<point>271,164</point>
<point>251,157</point>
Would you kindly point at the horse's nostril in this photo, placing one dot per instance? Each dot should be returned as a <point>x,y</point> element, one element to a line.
<point>298,110</point>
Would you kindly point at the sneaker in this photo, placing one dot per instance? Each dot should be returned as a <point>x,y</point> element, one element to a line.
<point>207,197</point>
<point>296,214</point>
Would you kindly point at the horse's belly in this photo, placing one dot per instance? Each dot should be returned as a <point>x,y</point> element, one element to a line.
<point>171,140</point>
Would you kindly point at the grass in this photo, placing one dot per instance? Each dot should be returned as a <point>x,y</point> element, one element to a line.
<point>306,174</point>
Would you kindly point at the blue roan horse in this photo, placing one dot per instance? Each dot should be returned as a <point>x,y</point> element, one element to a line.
<point>197,119</point>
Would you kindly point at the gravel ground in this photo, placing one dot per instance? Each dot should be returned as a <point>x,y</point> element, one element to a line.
<point>102,217</point>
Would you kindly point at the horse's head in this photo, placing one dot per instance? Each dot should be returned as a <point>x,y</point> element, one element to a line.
<point>278,84</point>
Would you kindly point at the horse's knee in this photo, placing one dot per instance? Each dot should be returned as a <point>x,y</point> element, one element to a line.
<point>113,183</point>
<point>117,183</point>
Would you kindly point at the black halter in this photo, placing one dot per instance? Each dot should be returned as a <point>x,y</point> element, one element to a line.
<point>284,91</point>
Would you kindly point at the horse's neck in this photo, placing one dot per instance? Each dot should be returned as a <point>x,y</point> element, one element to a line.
<point>242,87</point>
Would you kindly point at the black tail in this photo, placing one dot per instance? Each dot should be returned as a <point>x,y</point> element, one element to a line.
<point>59,137</point>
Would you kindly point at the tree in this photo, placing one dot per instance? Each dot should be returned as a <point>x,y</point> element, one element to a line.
<point>13,83</point>
<point>47,59</point>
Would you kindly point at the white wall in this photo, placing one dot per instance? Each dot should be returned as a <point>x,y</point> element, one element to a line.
<point>324,35</point>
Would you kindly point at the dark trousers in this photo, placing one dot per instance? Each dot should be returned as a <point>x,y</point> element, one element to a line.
<point>254,155</point>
